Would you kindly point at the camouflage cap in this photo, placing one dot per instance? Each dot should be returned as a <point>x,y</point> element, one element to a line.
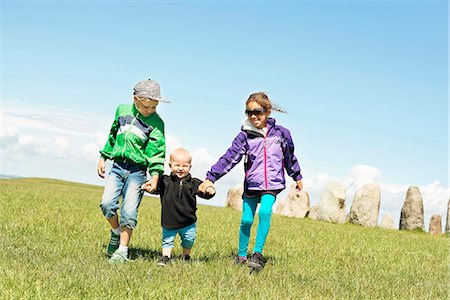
<point>149,89</point>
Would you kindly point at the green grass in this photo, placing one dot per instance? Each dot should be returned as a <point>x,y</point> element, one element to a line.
<point>53,237</point>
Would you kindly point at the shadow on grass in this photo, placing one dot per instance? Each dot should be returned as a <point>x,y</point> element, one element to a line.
<point>208,257</point>
<point>147,254</point>
<point>267,259</point>
<point>150,254</point>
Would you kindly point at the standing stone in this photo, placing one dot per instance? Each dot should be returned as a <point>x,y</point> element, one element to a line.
<point>435,225</point>
<point>234,197</point>
<point>411,216</point>
<point>387,221</point>
<point>366,206</point>
<point>295,205</point>
<point>332,204</point>
<point>447,224</point>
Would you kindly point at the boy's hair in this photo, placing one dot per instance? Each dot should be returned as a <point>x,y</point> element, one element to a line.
<point>179,151</point>
<point>140,98</point>
<point>263,100</point>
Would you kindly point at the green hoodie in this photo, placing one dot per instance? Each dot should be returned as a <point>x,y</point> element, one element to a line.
<point>137,138</point>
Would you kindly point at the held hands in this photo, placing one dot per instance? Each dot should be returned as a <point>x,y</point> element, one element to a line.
<point>207,187</point>
<point>210,190</point>
<point>151,185</point>
<point>299,186</point>
<point>101,167</point>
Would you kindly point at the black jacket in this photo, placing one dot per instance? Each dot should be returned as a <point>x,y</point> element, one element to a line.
<point>178,200</point>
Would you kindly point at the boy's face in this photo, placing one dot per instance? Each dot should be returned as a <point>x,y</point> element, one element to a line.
<point>180,165</point>
<point>145,106</point>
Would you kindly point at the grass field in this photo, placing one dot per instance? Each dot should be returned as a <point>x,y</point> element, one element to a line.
<point>54,236</point>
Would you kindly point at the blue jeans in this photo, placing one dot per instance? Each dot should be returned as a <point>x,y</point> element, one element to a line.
<point>248,214</point>
<point>187,235</point>
<point>124,180</point>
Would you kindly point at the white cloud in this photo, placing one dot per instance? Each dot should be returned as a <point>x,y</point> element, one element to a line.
<point>52,142</point>
<point>52,119</point>
<point>9,135</point>
<point>50,138</point>
<point>314,186</point>
<point>434,195</point>
<point>201,162</point>
<point>172,143</point>
<point>361,175</point>
<point>316,183</point>
<point>62,142</point>
<point>90,152</point>
<point>435,198</point>
<point>22,121</point>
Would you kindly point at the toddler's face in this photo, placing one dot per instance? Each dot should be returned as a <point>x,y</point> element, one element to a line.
<point>145,106</point>
<point>180,165</point>
<point>256,114</point>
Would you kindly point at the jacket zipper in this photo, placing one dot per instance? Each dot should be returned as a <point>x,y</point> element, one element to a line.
<point>246,164</point>
<point>126,136</point>
<point>181,186</point>
<point>265,160</point>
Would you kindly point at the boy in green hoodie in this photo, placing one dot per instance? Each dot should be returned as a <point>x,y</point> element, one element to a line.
<point>136,143</point>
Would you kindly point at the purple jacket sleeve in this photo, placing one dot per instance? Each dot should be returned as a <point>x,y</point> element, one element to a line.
<point>290,161</point>
<point>231,158</point>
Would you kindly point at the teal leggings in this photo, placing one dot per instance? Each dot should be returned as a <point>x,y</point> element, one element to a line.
<point>248,214</point>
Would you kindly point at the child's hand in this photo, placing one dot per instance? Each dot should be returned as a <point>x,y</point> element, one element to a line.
<point>151,185</point>
<point>299,186</point>
<point>101,167</point>
<point>146,187</point>
<point>210,190</point>
<point>204,185</point>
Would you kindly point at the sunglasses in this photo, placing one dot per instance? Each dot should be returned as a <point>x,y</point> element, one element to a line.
<point>256,112</point>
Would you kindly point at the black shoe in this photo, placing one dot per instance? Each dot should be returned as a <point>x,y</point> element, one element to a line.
<point>163,261</point>
<point>257,261</point>
<point>186,258</point>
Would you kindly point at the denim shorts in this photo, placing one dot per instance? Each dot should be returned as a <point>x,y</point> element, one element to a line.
<point>187,235</point>
<point>124,180</point>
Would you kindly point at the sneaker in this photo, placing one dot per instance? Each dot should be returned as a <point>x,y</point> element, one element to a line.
<point>186,258</point>
<point>114,242</point>
<point>256,261</point>
<point>118,257</point>
<point>163,261</point>
<point>240,260</point>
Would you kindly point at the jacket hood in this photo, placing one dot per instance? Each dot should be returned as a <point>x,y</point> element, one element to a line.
<point>248,126</point>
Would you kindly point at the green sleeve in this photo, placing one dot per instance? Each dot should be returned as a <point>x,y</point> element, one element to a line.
<point>107,150</point>
<point>155,152</point>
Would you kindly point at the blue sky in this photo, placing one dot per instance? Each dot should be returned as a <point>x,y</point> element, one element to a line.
<point>365,84</point>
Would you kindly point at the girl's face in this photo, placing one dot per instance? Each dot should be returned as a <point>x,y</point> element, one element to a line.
<point>256,114</point>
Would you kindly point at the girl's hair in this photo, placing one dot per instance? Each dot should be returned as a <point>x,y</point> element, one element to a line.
<point>268,105</point>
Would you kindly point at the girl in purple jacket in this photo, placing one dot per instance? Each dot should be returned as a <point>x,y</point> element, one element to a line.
<point>269,150</point>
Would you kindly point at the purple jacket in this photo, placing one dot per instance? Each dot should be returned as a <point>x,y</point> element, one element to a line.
<point>266,157</point>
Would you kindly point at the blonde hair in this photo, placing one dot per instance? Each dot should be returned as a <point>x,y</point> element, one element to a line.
<point>263,100</point>
<point>180,152</point>
<point>140,98</point>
